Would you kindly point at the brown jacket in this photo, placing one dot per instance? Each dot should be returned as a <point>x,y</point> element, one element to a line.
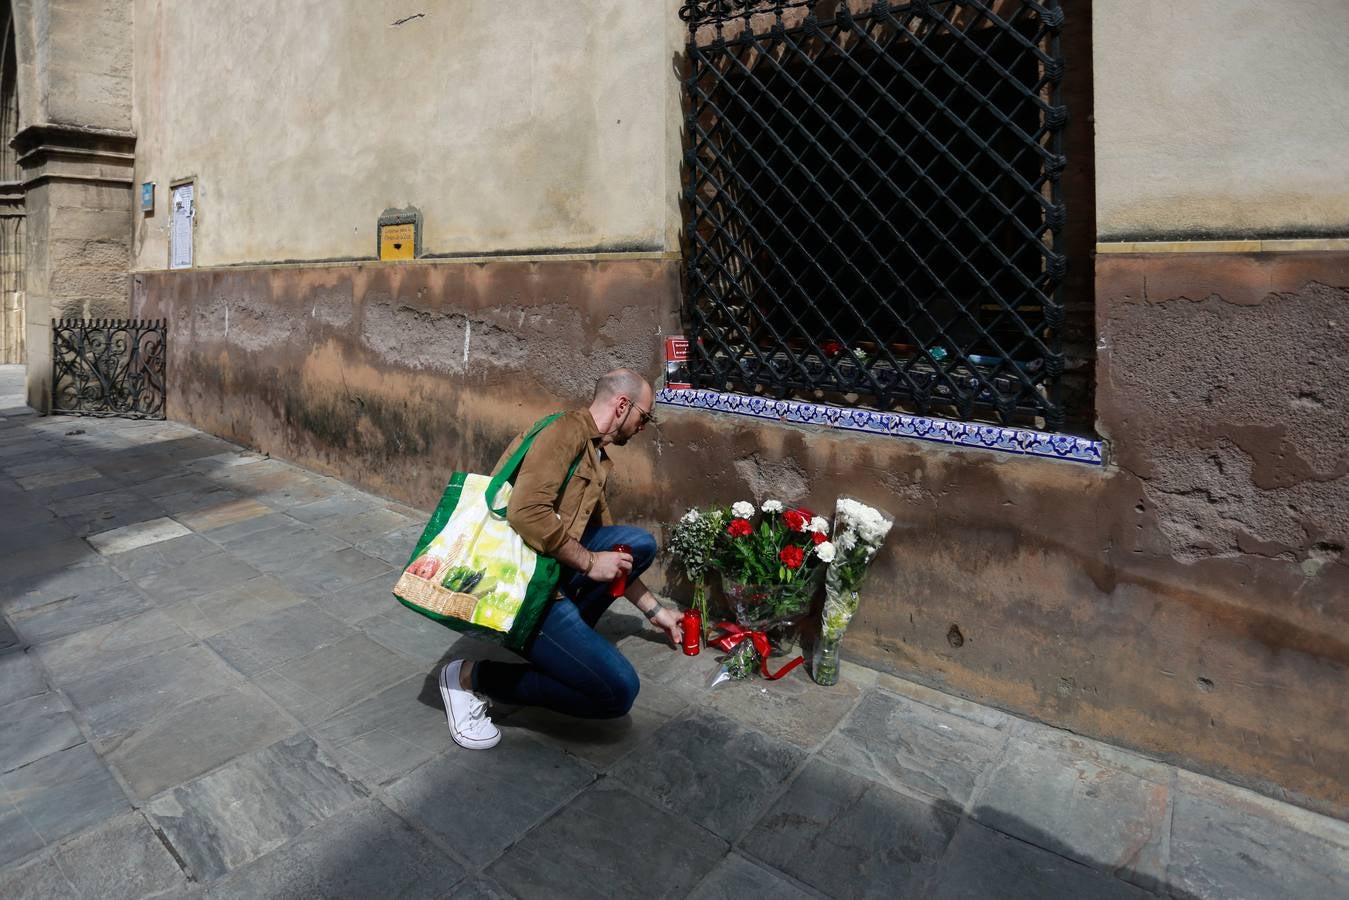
<point>536,511</point>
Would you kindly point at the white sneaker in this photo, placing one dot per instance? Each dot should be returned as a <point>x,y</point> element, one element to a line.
<point>466,712</point>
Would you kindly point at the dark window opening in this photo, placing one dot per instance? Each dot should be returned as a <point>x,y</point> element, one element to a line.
<point>872,205</point>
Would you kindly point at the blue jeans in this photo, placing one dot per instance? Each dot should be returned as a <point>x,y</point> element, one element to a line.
<point>572,669</point>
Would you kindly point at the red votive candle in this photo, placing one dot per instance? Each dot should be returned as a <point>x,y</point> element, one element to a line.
<point>693,626</point>
<point>619,586</point>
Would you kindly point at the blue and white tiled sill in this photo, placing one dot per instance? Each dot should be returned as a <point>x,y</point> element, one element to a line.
<point>1018,441</point>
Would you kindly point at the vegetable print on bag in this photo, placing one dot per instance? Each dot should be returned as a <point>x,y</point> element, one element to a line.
<point>470,571</point>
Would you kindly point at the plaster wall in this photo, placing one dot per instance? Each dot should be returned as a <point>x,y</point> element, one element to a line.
<point>1191,600</point>
<point>544,127</point>
<point>1221,118</point>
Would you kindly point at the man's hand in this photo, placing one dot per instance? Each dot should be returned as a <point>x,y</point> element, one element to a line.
<point>668,622</point>
<point>608,564</point>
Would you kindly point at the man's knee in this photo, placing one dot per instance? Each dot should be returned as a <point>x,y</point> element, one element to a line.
<point>644,549</point>
<point>623,689</point>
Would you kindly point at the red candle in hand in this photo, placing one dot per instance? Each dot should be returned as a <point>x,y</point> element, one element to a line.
<point>619,586</point>
<point>693,625</point>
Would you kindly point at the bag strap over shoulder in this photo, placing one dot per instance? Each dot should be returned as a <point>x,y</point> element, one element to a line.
<point>512,466</point>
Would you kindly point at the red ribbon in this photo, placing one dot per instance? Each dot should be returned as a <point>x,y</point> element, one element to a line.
<point>735,634</point>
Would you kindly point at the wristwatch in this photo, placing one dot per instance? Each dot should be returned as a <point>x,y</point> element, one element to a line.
<point>651,613</point>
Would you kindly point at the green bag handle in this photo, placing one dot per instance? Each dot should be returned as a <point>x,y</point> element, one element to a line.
<point>512,466</point>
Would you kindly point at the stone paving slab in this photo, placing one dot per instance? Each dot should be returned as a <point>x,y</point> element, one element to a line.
<point>36,727</point>
<point>325,681</point>
<point>251,806</point>
<point>18,838</point>
<point>128,698</point>
<point>231,512</point>
<point>604,839</point>
<point>321,574</point>
<point>478,889</point>
<point>389,734</point>
<point>130,537</point>
<point>207,573</point>
<point>736,878</point>
<point>1228,843</point>
<point>273,639</point>
<point>982,863</point>
<point>363,852</point>
<point>53,797</point>
<point>601,742</point>
<point>123,858</point>
<point>792,708</point>
<point>64,584</point>
<point>20,678</point>
<point>196,738</point>
<point>172,553</point>
<point>414,636</point>
<point>9,638</point>
<point>208,614</point>
<point>276,711</point>
<point>338,506</point>
<point>38,879</point>
<point>247,528</point>
<point>358,602</point>
<point>947,703</point>
<point>482,803</point>
<point>371,525</point>
<point>846,836</point>
<point>107,647</point>
<point>278,550</point>
<point>1100,816</point>
<point>36,532</point>
<point>89,485</point>
<point>395,548</point>
<point>909,746</point>
<point>711,770</point>
<point>39,562</point>
<point>88,609</point>
<point>105,510</point>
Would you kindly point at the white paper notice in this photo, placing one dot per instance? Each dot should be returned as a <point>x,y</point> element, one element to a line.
<point>180,228</point>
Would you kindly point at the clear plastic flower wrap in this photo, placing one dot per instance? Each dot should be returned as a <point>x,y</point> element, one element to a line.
<point>859,532</point>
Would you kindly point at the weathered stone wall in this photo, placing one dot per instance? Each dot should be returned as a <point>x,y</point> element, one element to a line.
<point>1189,601</point>
<point>392,375</point>
<point>75,150</point>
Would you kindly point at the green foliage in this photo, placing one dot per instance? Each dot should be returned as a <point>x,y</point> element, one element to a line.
<point>743,661</point>
<point>693,541</point>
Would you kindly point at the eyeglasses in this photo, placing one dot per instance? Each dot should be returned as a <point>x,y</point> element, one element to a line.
<point>648,416</point>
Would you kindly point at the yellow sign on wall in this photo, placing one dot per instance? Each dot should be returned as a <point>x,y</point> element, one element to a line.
<point>397,241</point>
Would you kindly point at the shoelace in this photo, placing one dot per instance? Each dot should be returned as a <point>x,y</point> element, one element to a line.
<point>477,713</point>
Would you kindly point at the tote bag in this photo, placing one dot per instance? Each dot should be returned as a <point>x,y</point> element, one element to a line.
<point>470,571</point>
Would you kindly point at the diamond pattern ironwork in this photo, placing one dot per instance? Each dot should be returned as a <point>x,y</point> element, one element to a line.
<point>872,204</point>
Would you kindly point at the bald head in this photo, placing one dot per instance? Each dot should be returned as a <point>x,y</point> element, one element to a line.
<point>619,383</point>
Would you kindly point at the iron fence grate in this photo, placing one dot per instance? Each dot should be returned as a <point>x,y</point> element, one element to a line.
<point>872,203</point>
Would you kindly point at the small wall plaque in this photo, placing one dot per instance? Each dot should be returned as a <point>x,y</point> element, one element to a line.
<point>400,234</point>
<point>148,196</point>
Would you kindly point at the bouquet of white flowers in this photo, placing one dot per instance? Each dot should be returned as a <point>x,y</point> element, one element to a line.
<point>859,531</point>
<point>693,539</point>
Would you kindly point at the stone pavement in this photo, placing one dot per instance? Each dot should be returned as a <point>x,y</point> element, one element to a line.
<point>207,690</point>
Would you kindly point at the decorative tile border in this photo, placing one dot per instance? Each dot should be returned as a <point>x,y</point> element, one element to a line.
<point>1021,441</point>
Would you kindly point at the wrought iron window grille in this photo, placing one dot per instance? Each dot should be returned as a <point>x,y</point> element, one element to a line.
<point>872,203</point>
<point>109,367</point>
